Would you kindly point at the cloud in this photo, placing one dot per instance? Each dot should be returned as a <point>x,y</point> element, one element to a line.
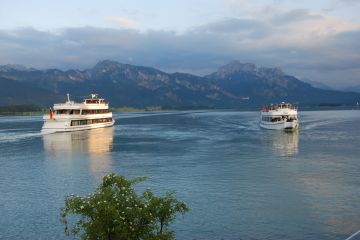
<point>296,15</point>
<point>125,22</point>
<point>314,46</point>
<point>351,2</point>
<point>338,4</point>
<point>234,25</point>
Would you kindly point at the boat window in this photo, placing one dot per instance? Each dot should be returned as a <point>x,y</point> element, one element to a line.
<point>276,119</point>
<point>67,111</point>
<point>90,121</point>
<point>271,119</point>
<point>94,111</point>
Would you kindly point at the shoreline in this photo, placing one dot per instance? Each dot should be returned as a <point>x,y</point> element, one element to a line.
<point>159,109</point>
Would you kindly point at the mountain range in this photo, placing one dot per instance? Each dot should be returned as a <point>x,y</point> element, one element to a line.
<point>355,88</point>
<point>233,85</point>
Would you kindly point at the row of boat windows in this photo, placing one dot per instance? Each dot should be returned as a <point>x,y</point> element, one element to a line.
<point>95,111</point>
<point>279,118</point>
<point>94,101</point>
<point>83,112</point>
<point>90,121</point>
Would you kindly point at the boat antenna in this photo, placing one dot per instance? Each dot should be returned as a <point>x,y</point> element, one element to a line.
<point>68,97</point>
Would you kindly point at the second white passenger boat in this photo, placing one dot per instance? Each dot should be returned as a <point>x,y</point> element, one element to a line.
<point>71,116</point>
<point>281,116</point>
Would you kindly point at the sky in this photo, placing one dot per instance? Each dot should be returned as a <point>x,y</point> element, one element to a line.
<point>316,40</point>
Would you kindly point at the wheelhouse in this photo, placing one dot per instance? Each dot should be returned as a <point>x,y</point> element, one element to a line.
<point>94,101</point>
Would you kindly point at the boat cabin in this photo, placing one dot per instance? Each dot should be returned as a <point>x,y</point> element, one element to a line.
<point>287,118</point>
<point>93,105</point>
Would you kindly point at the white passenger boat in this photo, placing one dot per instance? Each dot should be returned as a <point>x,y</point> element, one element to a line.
<point>281,116</point>
<point>71,116</point>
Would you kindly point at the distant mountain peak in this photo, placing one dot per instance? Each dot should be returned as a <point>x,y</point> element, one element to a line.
<point>316,84</point>
<point>274,72</point>
<point>236,66</point>
<point>107,64</point>
<point>14,67</point>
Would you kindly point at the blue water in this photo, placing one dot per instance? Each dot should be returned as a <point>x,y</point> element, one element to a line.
<point>239,181</point>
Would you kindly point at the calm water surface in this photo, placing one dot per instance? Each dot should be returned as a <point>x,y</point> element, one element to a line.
<point>239,181</point>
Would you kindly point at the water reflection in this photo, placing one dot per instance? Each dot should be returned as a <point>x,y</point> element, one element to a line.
<point>94,145</point>
<point>285,144</point>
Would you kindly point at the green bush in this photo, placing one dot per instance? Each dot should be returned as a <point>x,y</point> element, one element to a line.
<point>115,211</point>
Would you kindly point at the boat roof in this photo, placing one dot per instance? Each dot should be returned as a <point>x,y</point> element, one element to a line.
<point>282,104</point>
<point>93,96</point>
<point>278,107</point>
<point>93,102</point>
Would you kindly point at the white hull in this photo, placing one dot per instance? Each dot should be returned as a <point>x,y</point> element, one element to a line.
<point>280,125</point>
<point>64,126</point>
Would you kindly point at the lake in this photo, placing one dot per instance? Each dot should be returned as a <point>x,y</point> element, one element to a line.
<point>239,181</point>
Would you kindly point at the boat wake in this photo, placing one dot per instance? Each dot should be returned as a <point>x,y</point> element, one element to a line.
<point>308,125</point>
<point>17,136</point>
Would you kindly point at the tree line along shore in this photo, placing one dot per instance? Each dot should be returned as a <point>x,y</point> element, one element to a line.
<point>27,110</point>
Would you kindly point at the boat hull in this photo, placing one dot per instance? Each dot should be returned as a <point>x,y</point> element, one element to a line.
<point>280,125</point>
<point>62,126</point>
